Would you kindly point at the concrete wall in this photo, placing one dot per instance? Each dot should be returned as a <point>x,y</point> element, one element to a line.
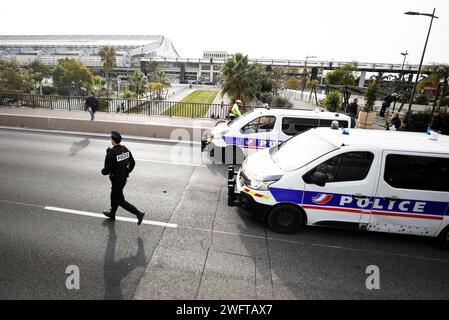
<point>160,131</point>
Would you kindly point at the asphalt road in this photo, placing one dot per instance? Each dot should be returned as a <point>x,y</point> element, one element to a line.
<point>208,250</point>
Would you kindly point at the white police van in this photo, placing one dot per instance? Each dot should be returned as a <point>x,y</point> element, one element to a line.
<point>384,181</point>
<point>263,128</point>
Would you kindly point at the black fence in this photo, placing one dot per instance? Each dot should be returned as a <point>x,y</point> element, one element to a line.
<point>131,106</point>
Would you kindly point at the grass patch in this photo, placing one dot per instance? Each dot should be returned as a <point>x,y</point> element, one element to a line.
<point>195,105</point>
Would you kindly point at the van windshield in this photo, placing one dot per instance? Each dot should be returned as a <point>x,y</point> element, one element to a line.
<point>300,150</point>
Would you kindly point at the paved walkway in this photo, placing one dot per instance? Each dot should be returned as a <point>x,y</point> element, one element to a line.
<point>103,116</point>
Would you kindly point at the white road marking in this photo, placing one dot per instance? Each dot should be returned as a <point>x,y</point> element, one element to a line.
<point>172,163</point>
<point>22,203</point>
<point>97,215</point>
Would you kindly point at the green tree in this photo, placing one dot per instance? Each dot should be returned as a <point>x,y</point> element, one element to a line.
<point>239,78</point>
<point>371,96</point>
<point>108,58</point>
<point>68,71</point>
<point>441,73</point>
<point>38,72</point>
<point>150,68</point>
<point>138,84</point>
<point>100,87</point>
<point>13,78</point>
<point>158,89</point>
<point>127,94</point>
<point>160,77</point>
<point>343,75</point>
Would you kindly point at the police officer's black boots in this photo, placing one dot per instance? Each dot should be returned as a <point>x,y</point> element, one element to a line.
<point>107,213</point>
<point>140,216</point>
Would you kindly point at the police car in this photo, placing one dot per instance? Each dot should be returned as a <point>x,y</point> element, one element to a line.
<point>384,181</point>
<point>263,128</point>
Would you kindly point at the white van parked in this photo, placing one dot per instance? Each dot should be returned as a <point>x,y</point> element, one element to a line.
<point>384,181</point>
<point>263,128</point>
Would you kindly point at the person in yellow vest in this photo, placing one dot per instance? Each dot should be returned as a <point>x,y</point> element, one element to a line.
<point>235,111</point>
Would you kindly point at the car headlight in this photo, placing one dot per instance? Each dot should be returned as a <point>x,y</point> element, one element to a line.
<point>258,185</point>
<point>261,185</point>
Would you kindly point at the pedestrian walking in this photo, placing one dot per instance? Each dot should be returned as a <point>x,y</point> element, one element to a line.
<point>387,102</point>
<point>119,163</point>
<point>91,105</point>
<point>353,108</point>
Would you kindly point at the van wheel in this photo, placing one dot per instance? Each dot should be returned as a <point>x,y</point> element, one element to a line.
<point>285,218</point>
<point>444,238</point>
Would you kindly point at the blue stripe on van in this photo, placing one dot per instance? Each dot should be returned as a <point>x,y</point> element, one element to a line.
<point>249,142</point>
<point>375,204</point>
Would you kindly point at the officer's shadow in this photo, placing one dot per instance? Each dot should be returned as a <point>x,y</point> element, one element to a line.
<point>78,146</point>
<point>116,271</point>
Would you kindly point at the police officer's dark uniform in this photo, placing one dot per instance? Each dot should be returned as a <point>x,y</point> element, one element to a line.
<point>119,163</point>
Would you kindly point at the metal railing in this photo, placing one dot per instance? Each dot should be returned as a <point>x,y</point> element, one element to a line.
<point>130,106</point>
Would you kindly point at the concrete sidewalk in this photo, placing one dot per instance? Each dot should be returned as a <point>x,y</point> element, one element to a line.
<point>130,124</point>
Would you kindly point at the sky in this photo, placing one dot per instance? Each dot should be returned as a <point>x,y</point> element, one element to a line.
<point>340,30</point>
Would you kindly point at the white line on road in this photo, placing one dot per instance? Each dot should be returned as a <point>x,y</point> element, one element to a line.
<point>96,215</point>
<point>22,203</point>
<point>173,163</point>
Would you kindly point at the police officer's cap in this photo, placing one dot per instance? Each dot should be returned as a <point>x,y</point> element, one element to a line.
<point>116,136</point>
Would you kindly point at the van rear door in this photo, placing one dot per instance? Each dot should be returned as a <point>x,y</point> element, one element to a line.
<point>412,195</point>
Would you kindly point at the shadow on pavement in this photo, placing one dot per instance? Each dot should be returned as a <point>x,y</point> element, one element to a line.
<point>78,146</point>
<point>116,271</point>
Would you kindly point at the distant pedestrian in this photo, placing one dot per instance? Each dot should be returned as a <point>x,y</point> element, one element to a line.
<point>119,163</point>
<point>91,105</point>
<point>387,102</point>
<point>353,108</point>
<point>436,122</point>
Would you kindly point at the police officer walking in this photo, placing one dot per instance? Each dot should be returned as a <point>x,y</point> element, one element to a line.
<point>119,163</point>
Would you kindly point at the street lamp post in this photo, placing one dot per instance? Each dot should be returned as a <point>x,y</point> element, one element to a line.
<point>432,15</point>
<point>305,72</point>
<point>405,54</point>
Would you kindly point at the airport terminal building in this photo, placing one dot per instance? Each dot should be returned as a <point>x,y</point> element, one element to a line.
<point>139,52</point>
<point>50,48</point>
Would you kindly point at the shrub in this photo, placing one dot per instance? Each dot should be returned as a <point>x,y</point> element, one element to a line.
<point>293,83</point>
<point>281,102</point>
<point>418,122</point>
<point>332,101</point>
<point>48,91</point>
<point>265,97</point>
<point>422,99</point>
<point>445,102</point>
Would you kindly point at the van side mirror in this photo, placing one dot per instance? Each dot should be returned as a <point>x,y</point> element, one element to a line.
<point>317,178</point>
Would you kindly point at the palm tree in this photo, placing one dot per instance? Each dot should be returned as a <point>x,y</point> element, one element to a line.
<point>441,73</point>
<point>239,78</point>
<point>138,83</point>
<point>107,55</point>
